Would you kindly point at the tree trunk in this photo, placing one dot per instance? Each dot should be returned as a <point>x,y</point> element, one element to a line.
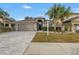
<point>55,27</point>
<point>62,29</point>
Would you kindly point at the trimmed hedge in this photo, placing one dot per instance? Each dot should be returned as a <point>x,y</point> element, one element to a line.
<point>6,29</point>
<point>50,28</point>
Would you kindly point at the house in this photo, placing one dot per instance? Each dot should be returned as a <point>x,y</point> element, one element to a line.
<point>30,24</point>
<point>70,24</point>
<point>5,22</point>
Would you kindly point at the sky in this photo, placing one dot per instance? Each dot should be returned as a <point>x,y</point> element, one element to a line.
<point>19,10</point>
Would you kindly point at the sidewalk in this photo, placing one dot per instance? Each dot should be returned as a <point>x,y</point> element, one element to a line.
<point>53,49</point>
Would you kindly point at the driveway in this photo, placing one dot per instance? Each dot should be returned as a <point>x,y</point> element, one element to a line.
<point>14,43</point>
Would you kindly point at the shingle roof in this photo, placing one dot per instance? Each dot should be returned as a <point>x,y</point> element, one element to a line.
<point>70,19</point>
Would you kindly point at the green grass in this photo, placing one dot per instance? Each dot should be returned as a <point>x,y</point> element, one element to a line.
<point>56,37</point>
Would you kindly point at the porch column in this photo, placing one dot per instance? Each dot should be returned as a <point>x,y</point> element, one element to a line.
<point>16,27</point>
<point>73,28</point>
<point>4,24</point>
<point>62,28</point>
<point>9,25</point>
<point>35,26</point>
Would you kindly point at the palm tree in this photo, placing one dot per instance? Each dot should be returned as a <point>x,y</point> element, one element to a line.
<point>3,13</point>
<point>58,12</point>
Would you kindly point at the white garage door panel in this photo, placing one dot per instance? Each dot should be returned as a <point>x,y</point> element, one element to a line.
<point>29,27</point>
<point>26,27</point>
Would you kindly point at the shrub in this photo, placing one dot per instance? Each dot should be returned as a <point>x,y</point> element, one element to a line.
<point>5,29</point>
<point>50,28</point>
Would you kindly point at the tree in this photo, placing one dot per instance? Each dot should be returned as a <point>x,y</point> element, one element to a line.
<point>3,13</point>
<point>58,12</point>
<point>11,19</point>
<point>28,18</point>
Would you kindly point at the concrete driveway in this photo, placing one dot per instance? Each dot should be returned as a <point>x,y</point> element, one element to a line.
<point>14,43</point>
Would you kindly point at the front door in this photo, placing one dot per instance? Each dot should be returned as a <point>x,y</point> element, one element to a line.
<point>39,25</point>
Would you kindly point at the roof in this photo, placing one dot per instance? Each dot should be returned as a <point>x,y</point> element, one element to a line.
<point>39,18</point>
<point>75,13</point>
<point>24,21</point>
<point>70,19</point>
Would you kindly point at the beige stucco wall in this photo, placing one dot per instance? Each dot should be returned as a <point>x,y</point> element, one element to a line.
<point>57,23</point>
<point>25,26</point>
<point>45,24</point>
<point>68,26</point>
<point>75,21</point>
<point>1,20</point>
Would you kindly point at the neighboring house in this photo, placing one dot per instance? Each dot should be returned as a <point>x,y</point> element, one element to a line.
<point>70,24</point>
<point>5,22</point>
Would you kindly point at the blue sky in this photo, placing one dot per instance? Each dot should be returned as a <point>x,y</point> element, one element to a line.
<point>19,10</point>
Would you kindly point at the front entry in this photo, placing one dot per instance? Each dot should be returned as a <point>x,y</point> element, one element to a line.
<point>58,29</point>
<point>39,25</point>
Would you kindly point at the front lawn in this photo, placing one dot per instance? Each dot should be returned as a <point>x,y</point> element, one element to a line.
<point>57,37</point>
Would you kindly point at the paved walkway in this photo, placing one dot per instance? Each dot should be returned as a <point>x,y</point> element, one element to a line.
<point>13,43</point>
<point>53,49</point>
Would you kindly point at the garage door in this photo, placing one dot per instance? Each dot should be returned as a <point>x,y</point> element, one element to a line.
<point>26,27</point>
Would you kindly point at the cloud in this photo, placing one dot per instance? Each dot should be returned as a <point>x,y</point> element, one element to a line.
<point>26,7</point>
<point>20,18</point>
<point>76,8</point>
